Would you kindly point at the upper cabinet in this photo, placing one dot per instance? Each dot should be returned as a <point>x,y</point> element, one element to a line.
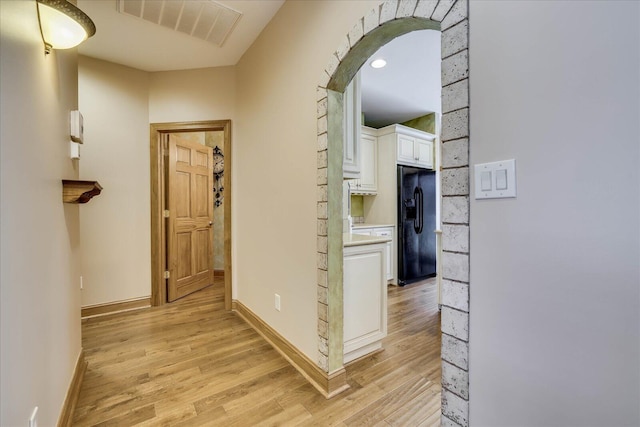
<point>368,181</point>
<point>413,147</point>
<point>352,123</point>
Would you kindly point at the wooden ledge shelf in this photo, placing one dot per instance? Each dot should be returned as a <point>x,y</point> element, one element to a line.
<point>74,191</point>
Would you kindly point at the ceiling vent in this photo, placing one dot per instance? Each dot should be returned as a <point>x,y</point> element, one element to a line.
<point>203,19</point>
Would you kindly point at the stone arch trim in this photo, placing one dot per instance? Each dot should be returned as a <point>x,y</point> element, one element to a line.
<point>391,19</point>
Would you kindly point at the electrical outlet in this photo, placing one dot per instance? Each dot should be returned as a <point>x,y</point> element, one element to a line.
<point>277,302</point>
<point>81,284</point>
<point>33,419</point>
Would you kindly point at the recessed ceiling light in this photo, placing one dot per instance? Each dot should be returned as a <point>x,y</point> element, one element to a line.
<point>378,63</point>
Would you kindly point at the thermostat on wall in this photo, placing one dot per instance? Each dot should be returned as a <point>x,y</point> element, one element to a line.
<point>76,126</point>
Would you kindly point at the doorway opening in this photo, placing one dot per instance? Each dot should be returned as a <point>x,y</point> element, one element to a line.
<point>215,133</point>
<point>375,29</point>
<point>400,115</point>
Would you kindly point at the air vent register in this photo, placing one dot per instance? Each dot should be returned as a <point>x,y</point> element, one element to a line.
<point>203,19</point>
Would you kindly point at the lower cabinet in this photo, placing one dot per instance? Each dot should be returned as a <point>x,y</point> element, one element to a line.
<point>365,299</point>
<point>382,231</point>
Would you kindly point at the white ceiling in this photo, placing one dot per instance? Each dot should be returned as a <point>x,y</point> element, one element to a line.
<point>131,41</point>
<point>409,86</point>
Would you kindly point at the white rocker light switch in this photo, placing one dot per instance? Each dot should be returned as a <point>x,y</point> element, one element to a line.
<point>495,180</point>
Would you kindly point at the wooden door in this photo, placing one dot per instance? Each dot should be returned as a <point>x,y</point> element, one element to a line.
<point>190,231</point>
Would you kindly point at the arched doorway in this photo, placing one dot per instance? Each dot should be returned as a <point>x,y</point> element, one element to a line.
<point>379,26</point>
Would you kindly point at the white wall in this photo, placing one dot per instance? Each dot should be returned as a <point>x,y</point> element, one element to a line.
<point>192,95</point>
<point>115,227</point>
<point>555,275</point>
<point>275,163</point>
<point>40,269</point>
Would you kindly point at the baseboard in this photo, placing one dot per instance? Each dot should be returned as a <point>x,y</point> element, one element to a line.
<point>329,384</point>
<point>218,273</point>
<point>364,356</point>
<point>114,307</point>
<point>69,406</point>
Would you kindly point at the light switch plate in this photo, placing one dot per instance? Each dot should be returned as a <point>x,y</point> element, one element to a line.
<point>495,180</point>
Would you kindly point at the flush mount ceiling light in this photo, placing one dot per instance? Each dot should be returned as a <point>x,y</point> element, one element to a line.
<point>62,25</point>
<point>378,63</point>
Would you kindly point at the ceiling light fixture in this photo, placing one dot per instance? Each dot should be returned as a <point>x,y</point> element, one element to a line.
<point>378,63</point>
<point>62,25</point>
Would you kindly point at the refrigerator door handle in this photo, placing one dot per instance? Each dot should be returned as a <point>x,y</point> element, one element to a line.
<point>416,220</point>
<point>420,210</point>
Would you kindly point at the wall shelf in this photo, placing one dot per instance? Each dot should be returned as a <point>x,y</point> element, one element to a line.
<point>74,191</point>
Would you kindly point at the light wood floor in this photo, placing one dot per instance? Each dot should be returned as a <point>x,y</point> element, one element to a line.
<point>190,363</point>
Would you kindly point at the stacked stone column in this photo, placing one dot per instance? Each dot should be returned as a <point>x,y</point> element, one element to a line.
<point>322,232</point>
<point>455,216</point>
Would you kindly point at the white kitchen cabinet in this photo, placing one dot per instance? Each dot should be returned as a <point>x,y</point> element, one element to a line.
<point>368,181</point>
<point>413,147</point>
<point>385,231</point>
<point>424,152</point>
<point>406,149</point>
<point>413,151</point>
<point>365,299</point>
<point>352,111</point>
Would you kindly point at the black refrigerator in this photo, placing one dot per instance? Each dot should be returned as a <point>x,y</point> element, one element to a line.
<point>416,224</point>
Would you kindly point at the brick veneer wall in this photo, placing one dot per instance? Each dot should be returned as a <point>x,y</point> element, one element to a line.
<point>454,25</point>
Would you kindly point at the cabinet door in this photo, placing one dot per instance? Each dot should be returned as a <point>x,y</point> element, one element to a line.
<point>365,300</point>
<point>424,153</point>
<point>368,182</point>
<point>352,125</point>
<point>406,150</point>
<point>387,232</point>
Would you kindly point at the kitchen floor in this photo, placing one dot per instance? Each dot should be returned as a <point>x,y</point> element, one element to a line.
<point>190,363</point>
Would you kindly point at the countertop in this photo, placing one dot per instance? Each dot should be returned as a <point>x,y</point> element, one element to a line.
<point>367,225</point>
<point>349,239</point>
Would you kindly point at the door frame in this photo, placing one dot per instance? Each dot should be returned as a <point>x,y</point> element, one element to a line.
<point>158,191</point>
